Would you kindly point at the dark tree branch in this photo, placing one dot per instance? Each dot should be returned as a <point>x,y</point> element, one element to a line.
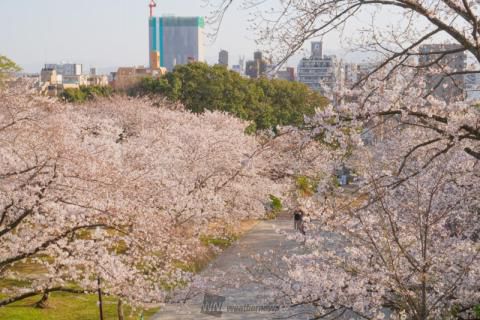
<point>49,242</point>
<point>34,293</point>
<point>474,154</point>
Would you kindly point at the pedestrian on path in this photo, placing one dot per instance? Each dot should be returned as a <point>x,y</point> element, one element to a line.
<point>302,225</point>
<point>298,219</point>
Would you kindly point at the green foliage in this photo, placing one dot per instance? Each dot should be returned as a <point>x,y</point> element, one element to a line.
<point>8,283</point>
<point>66,306</point>
<point>267,103</point>
<point>276,207</point>
<point>306,186</point>
<point>61,305</point>
<point>455,310</point>
<point>335,182</point>
<point>222,243</point>
<point>476,310</point>
<point>85,93</point>
<point>7,66</point>
<point>276,203</point>
<point>200,262</point>
<point>74,95</point>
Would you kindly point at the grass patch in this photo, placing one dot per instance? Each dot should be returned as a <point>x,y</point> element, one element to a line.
<point>28,267</point>
<point>9,283</point>
<point>201,261</point>
<point>222,243</point>
<point>66,306</point>
<point>275,207</point>
<point>62,306</point>
<point>306,186</point>
<point>194,266</point>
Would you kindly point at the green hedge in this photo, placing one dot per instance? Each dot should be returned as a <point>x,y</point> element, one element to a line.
<point>267,103</point>
<point>85,93</point>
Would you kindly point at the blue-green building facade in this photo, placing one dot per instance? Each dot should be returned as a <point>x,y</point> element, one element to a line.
<point>177,39</point>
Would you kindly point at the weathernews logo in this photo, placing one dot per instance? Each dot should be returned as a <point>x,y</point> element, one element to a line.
<point>213,305</point>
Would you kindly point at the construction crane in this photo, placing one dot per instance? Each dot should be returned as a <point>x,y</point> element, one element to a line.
<point>152,5</point>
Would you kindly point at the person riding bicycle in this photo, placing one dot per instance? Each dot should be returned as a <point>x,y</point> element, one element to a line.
<point>298,220</point>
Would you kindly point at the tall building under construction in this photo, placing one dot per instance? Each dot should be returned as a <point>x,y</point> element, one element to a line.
<point>176,40</point>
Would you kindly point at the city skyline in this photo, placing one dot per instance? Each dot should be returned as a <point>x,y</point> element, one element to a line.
<point>112,35</point>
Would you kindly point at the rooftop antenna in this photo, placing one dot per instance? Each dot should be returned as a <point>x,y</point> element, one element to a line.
<point>152,5</point>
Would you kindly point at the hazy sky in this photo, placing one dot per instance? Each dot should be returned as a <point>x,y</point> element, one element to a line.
<point>103,33</point>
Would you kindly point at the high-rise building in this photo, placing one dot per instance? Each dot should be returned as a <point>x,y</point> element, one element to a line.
<point>129,77</point>
<point>48,76</point>
<point>257,67</point>
<point>240,67</point>
<point>251,69</point>
<point>317,49</point>
<point>155,60</point>
<point>241,63</point>
<point>443,87</point>
<point>68,74</point>
<point>351,72</point>
<point>287,74</point>
<point>472,86</point>
<point>66,69</point>
<point>365,69</point>
<point>320,72</point>
<point>175,40</point>
<point>237,69</point>
<point>223,58</point>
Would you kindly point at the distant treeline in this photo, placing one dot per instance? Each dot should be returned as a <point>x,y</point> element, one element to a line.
<point>265,102</point>
<point>85,93</point>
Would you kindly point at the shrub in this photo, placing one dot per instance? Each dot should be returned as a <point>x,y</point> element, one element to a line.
<point>275,207</point>
<point>267,103</point>
<point>306,186</point>
<point>84,93</point>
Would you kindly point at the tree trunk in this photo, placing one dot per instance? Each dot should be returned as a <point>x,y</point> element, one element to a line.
<point>120,310</point>
<point>43,302</point>
<point>100,302</point>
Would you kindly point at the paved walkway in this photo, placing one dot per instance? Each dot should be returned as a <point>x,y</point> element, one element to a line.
<point>230,280</point>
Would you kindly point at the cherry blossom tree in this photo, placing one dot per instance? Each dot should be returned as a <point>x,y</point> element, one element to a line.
<point>283,27</point>
<point>405,242</point>
<point>7,67</point>
<point>117,190</point>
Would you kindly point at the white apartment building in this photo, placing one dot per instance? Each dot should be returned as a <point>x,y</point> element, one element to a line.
<point>319,72</point>
<point>351,72</point>
<point>66,69</point>
<point>472,86</point>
